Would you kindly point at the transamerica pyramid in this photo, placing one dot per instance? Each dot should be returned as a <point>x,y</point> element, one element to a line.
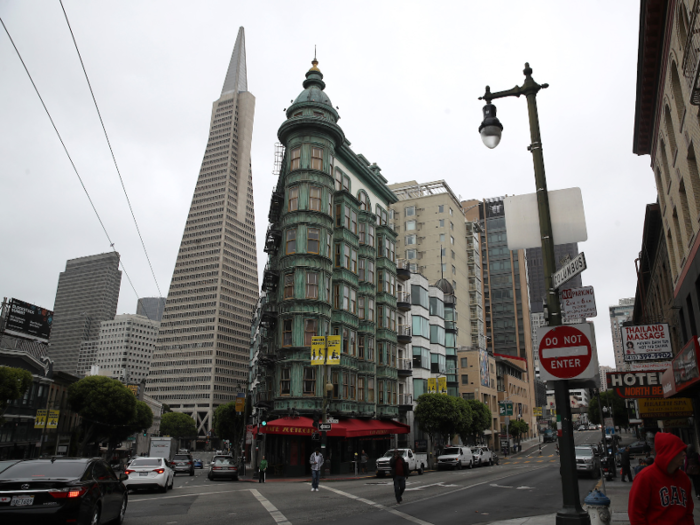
<point>203,345</point>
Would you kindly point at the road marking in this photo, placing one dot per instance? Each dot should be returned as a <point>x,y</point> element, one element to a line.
<point>379,506</point>
<point>184,495</point>
<point>269,507</point>
<point>525,488</point>
<point>502,486</point>
<point>439,484</point>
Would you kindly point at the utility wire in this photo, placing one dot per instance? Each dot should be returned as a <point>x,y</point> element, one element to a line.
<point>75,169</point>
<point>109,144</point>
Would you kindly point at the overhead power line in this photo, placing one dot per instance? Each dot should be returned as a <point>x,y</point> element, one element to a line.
<point>65,149</point>
<point>109,144</point>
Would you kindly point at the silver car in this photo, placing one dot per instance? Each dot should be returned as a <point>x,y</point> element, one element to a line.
<point>149,473</point>
<point>586,461</point>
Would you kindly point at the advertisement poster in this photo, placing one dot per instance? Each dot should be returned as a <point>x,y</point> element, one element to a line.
<point>484,367</point>
<point>665,408</point>
<point>647,342</point>
<point>29,319</point>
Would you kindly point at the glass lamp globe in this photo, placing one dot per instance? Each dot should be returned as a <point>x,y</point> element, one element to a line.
<point>491,136</point>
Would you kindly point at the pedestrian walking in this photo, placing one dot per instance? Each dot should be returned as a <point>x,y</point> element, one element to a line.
<point>364,458</point>
<point>399,469</point>
<point>692,469</point>
<point>316,464</point>
<point>263,470</point>
<point>640,467</point>
<point>661,492</point>
<point>626,465</point>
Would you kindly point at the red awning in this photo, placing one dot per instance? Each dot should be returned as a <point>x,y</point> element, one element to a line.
<point>303,426</point>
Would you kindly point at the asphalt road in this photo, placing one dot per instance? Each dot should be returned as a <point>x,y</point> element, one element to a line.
<point>526,485</point>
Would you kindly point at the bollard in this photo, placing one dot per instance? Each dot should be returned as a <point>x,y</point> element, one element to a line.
<point>598,505</point>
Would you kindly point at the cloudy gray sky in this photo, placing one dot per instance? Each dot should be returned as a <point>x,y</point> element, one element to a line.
<point>406,76</point>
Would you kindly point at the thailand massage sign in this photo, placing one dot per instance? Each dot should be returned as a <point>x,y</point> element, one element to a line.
<point>646,342</point>
<point>665,408</point>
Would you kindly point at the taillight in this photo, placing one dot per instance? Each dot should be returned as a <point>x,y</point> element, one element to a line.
<point>159,470</point>
<point>189,462</point>
<point>128,471</point>
<point>70,492</point>
<point>216,468</point>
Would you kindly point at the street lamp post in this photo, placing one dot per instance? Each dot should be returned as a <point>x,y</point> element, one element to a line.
<point>490,130</point>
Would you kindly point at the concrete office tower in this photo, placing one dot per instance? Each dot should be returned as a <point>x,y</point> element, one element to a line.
<point>203,346</point>
<point>151,307</point>
<point>126,347</point>
<point>535,272</point>
<point>603,371</point>
<point>619,314</point>
<point>88,292</point>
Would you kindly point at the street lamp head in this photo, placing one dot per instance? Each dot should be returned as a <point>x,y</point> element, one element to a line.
<point>490,128</point>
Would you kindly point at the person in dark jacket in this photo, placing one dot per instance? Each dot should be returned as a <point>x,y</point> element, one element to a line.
<point>692,469</point>
<point>399,471</point>
<point>626,465</point>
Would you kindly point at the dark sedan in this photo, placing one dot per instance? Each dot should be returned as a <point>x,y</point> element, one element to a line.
<point>637,447</point>
<point>61,490</point>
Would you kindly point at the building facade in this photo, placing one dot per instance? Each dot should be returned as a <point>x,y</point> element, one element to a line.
<point>203,347</point>
<point>151,307</point>
<point>126,347</point>
<point>331,271</point>
<point>603,372</point>
<point>535,272</point>
<point>88,293</point>
<point>619,314</point>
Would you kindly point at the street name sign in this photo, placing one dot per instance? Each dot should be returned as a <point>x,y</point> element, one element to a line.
<point>578,303</point>
<point>567,352</point>
<point>325,427</point>
<point>570,270</point>
<point>332,420</point>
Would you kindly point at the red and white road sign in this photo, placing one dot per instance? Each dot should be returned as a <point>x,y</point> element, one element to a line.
<point>567,352</point>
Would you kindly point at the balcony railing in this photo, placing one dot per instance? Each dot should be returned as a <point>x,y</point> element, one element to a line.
<point>691,56</point>
<point>403,330</point>
<point>405,399</point>
<point>404,364</point>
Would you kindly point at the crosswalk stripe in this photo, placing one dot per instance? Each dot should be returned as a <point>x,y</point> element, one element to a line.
<point>269,507</point>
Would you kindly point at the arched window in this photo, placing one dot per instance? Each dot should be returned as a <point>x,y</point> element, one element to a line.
<point>660,188</point>
<point>364,201</point>
<point>677,93</point>
<point>682,23</point>
<point>669,129</point>
<point>694,177</point>
<point>664,165</point>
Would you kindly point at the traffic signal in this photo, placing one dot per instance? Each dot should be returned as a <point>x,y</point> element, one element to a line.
<point>145,433</point>
<point>263,423</point>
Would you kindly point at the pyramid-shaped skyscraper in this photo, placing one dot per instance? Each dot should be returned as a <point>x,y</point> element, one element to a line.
<point>203,346</point>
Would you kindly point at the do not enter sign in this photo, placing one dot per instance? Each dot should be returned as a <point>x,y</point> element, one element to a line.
<point>567,352</point>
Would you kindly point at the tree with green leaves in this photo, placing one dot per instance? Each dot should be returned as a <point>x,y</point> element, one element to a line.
<point>14,382</point>
<point>481,419</point>
<point>105,405</point>
<point>609,399</point>
<point>229,424</point>
<point>517,428</point>
<point>441,415</point>
<point>141,421</point>
<point>166,408</point>
<point>178,425</point>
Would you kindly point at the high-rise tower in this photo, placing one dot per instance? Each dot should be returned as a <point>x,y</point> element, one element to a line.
<point>88,292</point>
<point>203,345</point>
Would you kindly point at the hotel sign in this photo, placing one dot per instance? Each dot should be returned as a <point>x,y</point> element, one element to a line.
<point>629,385</point>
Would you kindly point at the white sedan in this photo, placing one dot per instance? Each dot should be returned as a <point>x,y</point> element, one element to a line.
<point>149,473</point>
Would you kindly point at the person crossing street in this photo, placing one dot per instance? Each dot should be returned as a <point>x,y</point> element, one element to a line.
<point>399,470</point>
<point>316,464</point>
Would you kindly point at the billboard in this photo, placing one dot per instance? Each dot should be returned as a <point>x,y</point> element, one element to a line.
<point>631,385</point>
<point>484,377</point>
<point>646,342</point>
<point>29,319</point>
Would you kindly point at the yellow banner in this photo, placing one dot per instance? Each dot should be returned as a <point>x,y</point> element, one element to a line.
<point>432,385</point>
<point>537,411</point>
<point>665,408</point>
<point>52,421</point>
<point>442,385</point>
<point>333,350</point>
<point>134,389</point>
<point>40,421</point>
<point>240,404</point>
<point>318,350</point>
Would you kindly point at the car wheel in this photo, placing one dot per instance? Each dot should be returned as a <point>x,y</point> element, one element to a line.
<point>192,472</point>
<point>122,511</point>
<point>210,476</point>
<point>164,488</point>
<point>458,466</point>
<point>491,462</point>
<point>420,470</point>
<point>95,515</point>
<point>235,479</point>
<point>471,464</point>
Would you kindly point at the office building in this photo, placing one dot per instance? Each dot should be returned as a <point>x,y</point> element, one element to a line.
<point>203,347</point>
<point>619,314</point>
<point>88,292</point>
<point>603,370</point>
<point>151,307</point>
<point>126,347</point>
<point>535,273</point>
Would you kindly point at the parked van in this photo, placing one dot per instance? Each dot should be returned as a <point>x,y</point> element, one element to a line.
<point>456,458</point>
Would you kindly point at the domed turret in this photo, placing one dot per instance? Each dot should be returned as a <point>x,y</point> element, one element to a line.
<point>445,287</point>
<point>313,87</point>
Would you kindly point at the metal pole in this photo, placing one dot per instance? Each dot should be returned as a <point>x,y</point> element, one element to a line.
<point>571,512</point>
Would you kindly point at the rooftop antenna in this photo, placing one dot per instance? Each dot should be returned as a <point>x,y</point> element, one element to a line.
<point>442,272</point>
<point>314,51</point>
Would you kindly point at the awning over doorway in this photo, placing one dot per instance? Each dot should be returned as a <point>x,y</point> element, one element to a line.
<point>303,426</point>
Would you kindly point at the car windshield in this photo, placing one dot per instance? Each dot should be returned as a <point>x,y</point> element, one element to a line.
<point>584,451</point>
<point>44,469</point>
<point>146,463</point>
<point>181,457</point>
<point>223,461</point>
<point>449,451</point>
<point>390,453</point>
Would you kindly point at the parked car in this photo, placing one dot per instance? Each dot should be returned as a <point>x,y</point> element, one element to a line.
<point>416,461</point>
<point>223,467</point>
<point>198,463</point>
<point>586,461</point>
<point>456,458</point>
<point>637,447</point>
<point>485,455</point>
<point>65,490</point>
<point>183,463</point>
<point>149,473</point>
<point>549,436</point>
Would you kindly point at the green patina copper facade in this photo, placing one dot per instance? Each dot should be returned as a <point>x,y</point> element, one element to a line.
<point>331,270</point>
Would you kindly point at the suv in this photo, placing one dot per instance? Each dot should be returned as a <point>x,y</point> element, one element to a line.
<point>587,461</point>
<point>485,455</point>
<point>456,458</point>
<point>182,463</point>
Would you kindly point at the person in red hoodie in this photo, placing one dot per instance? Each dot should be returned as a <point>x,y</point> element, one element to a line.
<point>661,493</point>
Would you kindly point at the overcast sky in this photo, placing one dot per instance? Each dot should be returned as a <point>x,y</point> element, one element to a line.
<point>406,76</point>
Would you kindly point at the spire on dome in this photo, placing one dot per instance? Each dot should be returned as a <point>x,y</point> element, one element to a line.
<point>237,75</point>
